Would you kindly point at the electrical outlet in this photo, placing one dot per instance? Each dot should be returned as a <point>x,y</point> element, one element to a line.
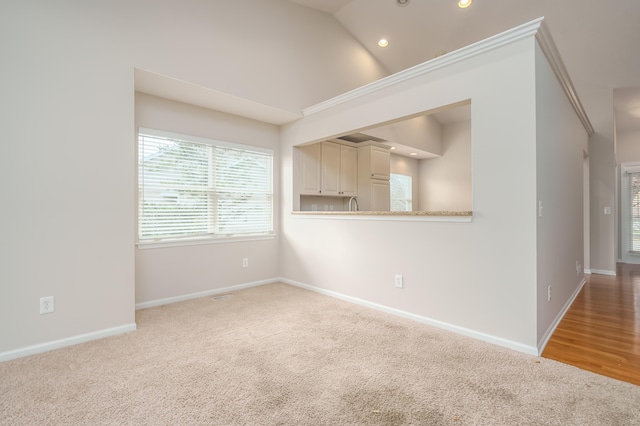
<point>245,262</point>
<point>549,294</point>
<point>46,305</point>
<point>399,281</point>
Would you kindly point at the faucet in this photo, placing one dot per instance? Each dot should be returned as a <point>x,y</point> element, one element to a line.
<point>355,200</point>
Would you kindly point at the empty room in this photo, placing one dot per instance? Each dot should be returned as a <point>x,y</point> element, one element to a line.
<point>320,212</point>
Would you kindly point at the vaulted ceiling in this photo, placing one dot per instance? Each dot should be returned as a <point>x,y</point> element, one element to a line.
<point>599,41</point>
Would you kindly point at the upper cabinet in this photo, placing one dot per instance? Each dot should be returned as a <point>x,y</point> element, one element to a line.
<point>375,162</point>
<point>348,171</point>
<point>329,169</point>
<point>310,171</point>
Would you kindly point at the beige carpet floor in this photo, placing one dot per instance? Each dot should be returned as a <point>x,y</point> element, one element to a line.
<point>280,355</point>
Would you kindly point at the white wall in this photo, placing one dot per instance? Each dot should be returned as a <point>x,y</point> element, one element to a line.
<point>270,51</point>
<point>460,274</point>
<point>445,182</point>
<point>423,132</point>
<point>175,271</point>
<point>627,147</point>
<point>67,109</point>
<point>66,172</point>
<point>561,143</point>
<point>602,185</point>
<point>408,166</point>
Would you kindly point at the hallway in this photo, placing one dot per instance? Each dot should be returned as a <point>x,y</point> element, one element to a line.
<point>601,330</point>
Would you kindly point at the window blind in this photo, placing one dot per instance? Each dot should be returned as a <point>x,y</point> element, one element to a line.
<point>634,212</point>
<point>192,188</point>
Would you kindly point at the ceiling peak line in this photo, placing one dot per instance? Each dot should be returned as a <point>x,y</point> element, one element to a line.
<point>535,28</point>
<point>507,37</point>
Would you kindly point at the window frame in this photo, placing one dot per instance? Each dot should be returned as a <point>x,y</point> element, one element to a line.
<point>210,238</point>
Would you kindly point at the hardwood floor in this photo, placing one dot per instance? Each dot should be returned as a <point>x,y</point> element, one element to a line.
<point>601,330</point>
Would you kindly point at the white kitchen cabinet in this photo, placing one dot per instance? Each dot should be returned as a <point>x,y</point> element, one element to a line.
<point>374,164</point>
<point>380,196</point>
<point>310,170</point>
<point>377,161</point>
<point>328,169</point>
<point>348,171</point>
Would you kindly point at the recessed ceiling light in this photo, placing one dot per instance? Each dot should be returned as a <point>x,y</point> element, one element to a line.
<point>463,4</point>
<point>383,42</point>
<point>393,147</point>
<point>402,2</point>
<point>413,153</point>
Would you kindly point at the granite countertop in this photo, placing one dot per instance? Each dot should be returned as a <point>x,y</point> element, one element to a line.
<point>369,213</point>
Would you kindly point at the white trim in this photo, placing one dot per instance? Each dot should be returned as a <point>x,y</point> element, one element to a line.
<point>381,217</point>
<point>194,241</point>
<point>69,341</point>
<point>587,271</point>
<point>552,328</point>
<point>603,272</point>
<point>530,350</point>
<point>168,300</point>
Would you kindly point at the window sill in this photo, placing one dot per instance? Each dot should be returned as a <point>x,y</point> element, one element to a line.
<point>143,245</point>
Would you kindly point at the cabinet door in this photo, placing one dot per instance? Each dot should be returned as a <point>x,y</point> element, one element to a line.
<point>330,168</point>
<point>380,163</point>
<point>348,171</point>
<point>310,165</point>
<point>380,196</point>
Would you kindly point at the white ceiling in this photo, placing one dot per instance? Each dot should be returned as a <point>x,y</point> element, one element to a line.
<point>330,6</point>
<point>599,41</point>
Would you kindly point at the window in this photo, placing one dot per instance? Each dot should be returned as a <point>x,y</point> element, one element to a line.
<point>193,188</point>
<point>634,212</point>
<point>630,212</point>
<point>401,193</point>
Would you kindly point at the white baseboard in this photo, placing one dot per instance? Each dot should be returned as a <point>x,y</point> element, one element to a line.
<point>587,271</point>
<point>552,328</point>
<point>168,300</point>
<point>69,341</point>
<point>530,350</point>
<point>602,272</point>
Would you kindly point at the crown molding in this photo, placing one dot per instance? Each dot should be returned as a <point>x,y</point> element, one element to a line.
<point>548,47</point>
